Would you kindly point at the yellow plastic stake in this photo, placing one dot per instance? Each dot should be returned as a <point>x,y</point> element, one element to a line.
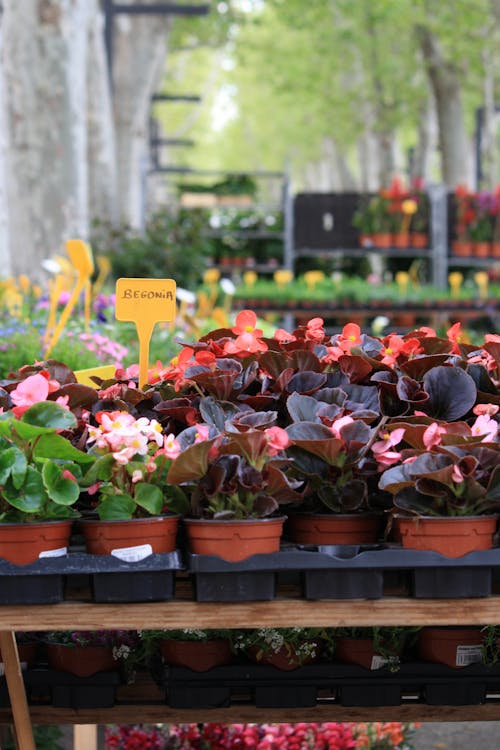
<point>455,279</point>
<point>283,277</point>
<point>408,207</point>
<point>145,302</point>
<point>249,278</point>
<point>481,279</point>
<point>402,279</point>
<point>104,266</point>
<point>80,256</point>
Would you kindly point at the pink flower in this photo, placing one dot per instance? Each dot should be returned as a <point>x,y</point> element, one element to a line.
<point>246,343</point>
<point>171,447</point>
<point>137,476</point>
<point>382,448</point>
<point>283,336</point>
<point>30,391</point>
<point>432,435</point>
<point>315,330</point>
<point>490,409</point>
<point>67,474</point>
<point>457,475</point>
<point>277,440</point>
<point>201,433</point>
<point>485,425</point>
<point>338,424</point>
<point>245,323</point>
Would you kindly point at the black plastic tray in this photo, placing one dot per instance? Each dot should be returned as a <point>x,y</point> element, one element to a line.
<point>111,579</point>
<point>345,684</point>
<point>342,572</point>
<point>65,690</point>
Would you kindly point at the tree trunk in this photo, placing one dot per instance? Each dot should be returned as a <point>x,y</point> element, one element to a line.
<point>445,83</point>
<point>138,62</point>
<point>101,147</point>
<point>5,263</point>
<point>45,45</point>
<point>426,140</point>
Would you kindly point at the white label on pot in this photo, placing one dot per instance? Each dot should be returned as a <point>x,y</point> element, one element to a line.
<point>468,655</point>
<point>378,661</point>
<point>133,554</point>
<point>60,552</point>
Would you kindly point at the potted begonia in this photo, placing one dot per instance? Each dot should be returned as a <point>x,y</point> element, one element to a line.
<point>131,457</point>
<point>40,471</point>
<point>447,483</point>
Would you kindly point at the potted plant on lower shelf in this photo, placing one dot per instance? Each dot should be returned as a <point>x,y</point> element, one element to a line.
<point>372,647</point>
<point>192,648</point>
<point>283,648</point>
<point>84,653</point>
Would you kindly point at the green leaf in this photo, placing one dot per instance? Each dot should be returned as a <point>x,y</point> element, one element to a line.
<point>48,414</point>
<point>101,470</point>
<point>12,463</point>
<point>61,490</point>
<point>30,497</point>
<point>149,497</point>
<point>116,507</point>
<point>56,446</point>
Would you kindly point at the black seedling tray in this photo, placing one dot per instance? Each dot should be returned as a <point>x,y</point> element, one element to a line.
<point>111,579</point>
<point>342,572</point>
<point>65,690</point>
<point>344,684</point>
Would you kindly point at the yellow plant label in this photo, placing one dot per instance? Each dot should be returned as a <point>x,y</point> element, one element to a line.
<point>80,256</point>
<point>151,300</point>
<point>145,302</point>
<point>84,376</point>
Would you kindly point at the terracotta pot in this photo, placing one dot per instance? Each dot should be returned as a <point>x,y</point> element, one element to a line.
<point>495,249</point>
<point>462,248</point>
<point>456,647</point>
<point>481,249</point>
<point>285,659</point>
<point>359,651</point>
<point>323,529</point>
<point>23,543</point>
<point>401,239</point>
<point>81,661</point>
<point>419,239</point>
<point>452,537</point>
<point>404,319</point>
<point>234,540</point>
<point>200,656</point>
<point>382,239</point>
<point>107,537</point>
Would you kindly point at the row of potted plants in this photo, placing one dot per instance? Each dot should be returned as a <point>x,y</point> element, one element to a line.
<point>84,653</point>
<point>477,223</point>
<point>395,216</point>
<point>246,428</point>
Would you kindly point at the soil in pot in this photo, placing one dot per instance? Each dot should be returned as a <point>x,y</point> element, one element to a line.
<point>23,543</point>
<point>200,656</point>
<point>132,538</point>
<point>456,647</point>
<point>234,540</point>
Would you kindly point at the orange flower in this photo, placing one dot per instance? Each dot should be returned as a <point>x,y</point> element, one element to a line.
<point>245,323</point>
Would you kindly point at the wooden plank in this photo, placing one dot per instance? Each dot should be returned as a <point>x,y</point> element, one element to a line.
<point>148,713</point>
<point>85,737</point>
<point>276,613</point>
<point>17,693</point>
